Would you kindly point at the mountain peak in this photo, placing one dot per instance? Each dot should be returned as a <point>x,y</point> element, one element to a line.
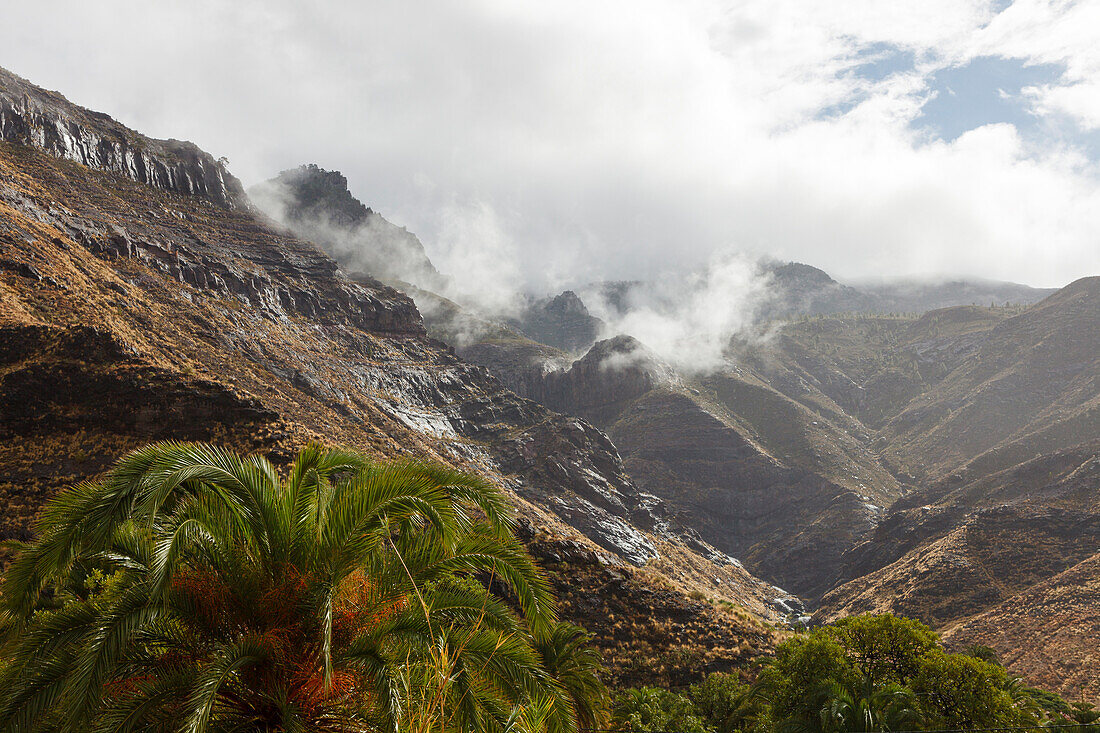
<point>791,273</point>
<point>316,192</point>
<point>318,205</point>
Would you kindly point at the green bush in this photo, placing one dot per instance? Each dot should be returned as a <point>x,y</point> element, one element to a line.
<point>959,691</point>
<point>725,703</point>
<point>653,709</point>
<point>864,673</point>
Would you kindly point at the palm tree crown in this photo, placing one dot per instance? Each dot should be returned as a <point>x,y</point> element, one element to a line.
<point>194,589</point>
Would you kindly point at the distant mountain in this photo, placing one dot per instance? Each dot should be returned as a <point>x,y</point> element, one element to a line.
<point>795,289</point>
<point>317,205</point>
<point>561,321</point>
<point>799,289</point>
<point>917,296</point>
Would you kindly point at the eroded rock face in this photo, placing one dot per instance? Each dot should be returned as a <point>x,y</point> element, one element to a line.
<point>47,121</point>
<point>275,317</point>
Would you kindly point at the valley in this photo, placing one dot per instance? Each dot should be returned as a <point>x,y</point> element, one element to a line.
<point>931,451</point>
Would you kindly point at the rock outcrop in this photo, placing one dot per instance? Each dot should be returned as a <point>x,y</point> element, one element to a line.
<point>316,204</point>
<point>49,122</point>
<point>562,322</point>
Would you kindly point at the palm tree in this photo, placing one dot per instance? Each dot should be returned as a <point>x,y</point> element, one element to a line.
<point>193,589</point>
<point>576,666</point>
<point>867,708</point>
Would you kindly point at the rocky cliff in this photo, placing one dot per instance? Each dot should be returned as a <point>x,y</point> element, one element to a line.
<point>49,122</point>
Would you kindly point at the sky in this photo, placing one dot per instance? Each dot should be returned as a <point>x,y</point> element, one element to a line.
<point>555,143</point>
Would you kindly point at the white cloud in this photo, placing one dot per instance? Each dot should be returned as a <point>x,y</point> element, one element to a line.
<point>480,258</point>
<point>1052,31</point>
<point>688,321</point>
<point>617,139</point>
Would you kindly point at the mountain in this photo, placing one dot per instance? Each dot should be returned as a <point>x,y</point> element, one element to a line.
<point>1001,561</point>
<point>870,451</point>
<point>317,205</point>
<point>799,289</point>
<point>561,321</point>
<point>943,467</point>
<point>755,473</point>
<point>987,417</point>
<point>1030,387</point>
<point>137,306</point>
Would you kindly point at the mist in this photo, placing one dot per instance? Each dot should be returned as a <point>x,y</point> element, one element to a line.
<point>688,320</point>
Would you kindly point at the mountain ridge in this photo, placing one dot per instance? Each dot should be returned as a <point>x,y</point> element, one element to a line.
<point>30,115</point>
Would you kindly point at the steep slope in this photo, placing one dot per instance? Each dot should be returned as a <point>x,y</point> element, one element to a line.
<point>1031,387</point>
<point>1047,634</point>
<point>986,551</point>
<point>130,312</point>
<point>999,455</point>
<point>798,424</point>
<point>867,369</point>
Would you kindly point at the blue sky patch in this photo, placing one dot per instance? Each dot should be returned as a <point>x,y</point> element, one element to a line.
<point>880,60</point>
<point>872,63</point>
<point>985,91</point>
<point>989,90</point>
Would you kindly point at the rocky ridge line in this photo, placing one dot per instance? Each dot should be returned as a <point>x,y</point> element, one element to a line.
<point>30,115</point>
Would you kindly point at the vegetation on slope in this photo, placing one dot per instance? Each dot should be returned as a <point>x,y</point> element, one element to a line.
<point>863,673</point>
